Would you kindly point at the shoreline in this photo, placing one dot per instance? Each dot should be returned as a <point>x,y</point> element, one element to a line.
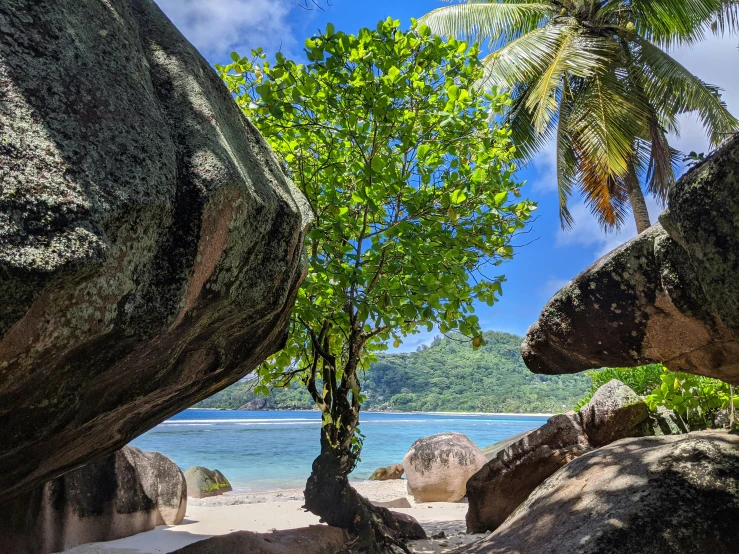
<point>507,414</point>
<point>262,513</point>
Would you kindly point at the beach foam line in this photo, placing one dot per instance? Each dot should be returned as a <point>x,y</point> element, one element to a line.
<point>241,420</point>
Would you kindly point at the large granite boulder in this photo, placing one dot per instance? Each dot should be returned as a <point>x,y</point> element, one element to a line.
<point>517,468</point>
<point>506,480</point>
<point>203,482</point>
<point>437,467</point>
<point>670,295</point>
<point>614,412</point>
<point>150,244</point>
<point>674,494</point>
<point>316,539</point>
<point>122,494</point>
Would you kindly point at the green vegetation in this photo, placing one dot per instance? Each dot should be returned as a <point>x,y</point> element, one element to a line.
<point>642,380</point>
<point>694,398</point>
<point>447,376</point>
<point>592,76</point>
<point>411,186</point>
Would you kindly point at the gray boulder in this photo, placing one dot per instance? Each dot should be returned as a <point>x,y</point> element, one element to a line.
<point>518,467</point>
<point>615,412</point>
<point>660,495</point>
<point>122,494</point>
<point>203,482</point>
<point>492,450</point>
<point>661,422</point>
<point>255,404</point>
<point>437,467</point>
<point>508,478</point>
<point>670,295</point>
<point>390,472</point>
<point>150,244</point>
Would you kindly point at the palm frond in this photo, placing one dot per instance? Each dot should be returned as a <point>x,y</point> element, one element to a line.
<point>605,195</point>
<point>567,168</point>
<point>676,91</point>
<point>520,121</point>
<point>670,22</point>
<point>660,172</point>
<point>727,18</point>
<point>607,117</point>
<point>497,22</point>
<point>524,60</point>
<point>580,55</point>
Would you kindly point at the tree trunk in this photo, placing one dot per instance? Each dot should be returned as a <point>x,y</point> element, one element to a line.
<point>329,495</point>
<point>639,207</point>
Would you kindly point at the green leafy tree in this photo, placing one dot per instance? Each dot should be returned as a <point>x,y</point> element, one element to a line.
<point>414,205</point>
<point>591,75</point>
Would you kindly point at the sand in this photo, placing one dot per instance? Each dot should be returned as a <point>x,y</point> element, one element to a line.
<point>279,510</point>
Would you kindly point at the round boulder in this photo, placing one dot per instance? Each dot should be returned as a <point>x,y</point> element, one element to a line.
<point>614,413</point>
<point>394,471</point>
<point>202,482</point>
<point>171,488</point>
<point>438,467</point>
<point>670,494</point>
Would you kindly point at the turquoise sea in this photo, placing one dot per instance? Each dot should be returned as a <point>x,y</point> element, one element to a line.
<point>260,451</point>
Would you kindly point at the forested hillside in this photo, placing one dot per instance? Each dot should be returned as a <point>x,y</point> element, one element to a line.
<point>446,376</point>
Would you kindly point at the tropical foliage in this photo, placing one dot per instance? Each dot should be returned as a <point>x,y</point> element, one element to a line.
<point>694,398</point>
<point>447,376</point>
<point>592,76</point>
<point>414,203</point>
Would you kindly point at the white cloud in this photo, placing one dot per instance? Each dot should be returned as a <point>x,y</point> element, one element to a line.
<point>545,163</point>
<point>587,232</point>
<point>218,27</point>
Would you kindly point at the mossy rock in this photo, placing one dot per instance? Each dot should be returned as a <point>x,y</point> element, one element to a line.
<point>203,482</point>
<point>151,245</point>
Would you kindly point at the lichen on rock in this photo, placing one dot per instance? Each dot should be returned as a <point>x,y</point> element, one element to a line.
<point>151,246</point>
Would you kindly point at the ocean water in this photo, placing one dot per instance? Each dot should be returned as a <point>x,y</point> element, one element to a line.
<point>260,451</point>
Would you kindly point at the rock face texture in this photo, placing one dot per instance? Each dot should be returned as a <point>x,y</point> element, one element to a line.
<point>202,482</point>
<point>663,495</point>
<point>150,244</point>
<point>614,412</point>
<point>122,494</point>
<point>492,450</point>
<point>518,467</point>
<point>671,295</point>
<point>437,467</point>
<point>316,539</point>
<point>394,471</point>
<point>506,481</point>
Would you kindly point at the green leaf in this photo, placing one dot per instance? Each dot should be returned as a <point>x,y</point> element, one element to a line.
<point>377,164</point>
<point>457,197</point>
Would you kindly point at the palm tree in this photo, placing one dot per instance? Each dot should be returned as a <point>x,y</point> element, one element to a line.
<point>592,75</point>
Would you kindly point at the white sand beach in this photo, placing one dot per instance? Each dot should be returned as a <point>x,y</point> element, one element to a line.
<point>269,511</point>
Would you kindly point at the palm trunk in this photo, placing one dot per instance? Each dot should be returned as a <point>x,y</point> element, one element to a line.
<point>639,207</point>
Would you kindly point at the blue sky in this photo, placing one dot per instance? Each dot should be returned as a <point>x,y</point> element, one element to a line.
<point>217,27</point>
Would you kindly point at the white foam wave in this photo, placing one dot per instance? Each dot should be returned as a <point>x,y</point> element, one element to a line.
<point>241,420</point>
